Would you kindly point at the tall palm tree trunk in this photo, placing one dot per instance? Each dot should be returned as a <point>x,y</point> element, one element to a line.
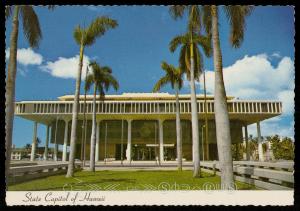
<point>10,87</point>
<point>195,124</point>
<point>83,140</point>
<point>206,121</point>
<point>70,172</point>
<point>221,112</point>
<point>93,136</point>
<point>178,131</point>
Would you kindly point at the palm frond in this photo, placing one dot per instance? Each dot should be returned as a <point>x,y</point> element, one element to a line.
<point>184,55</point>
<point>161,83</point>
<point>194,23</point>
<point>106,69</point>
<point>187,61</point>
<point>236,16</point>
<point>109,80</point>
<point>103,78</point>
<point>168,68</point>
<point>31,26</point>
<point>171,72</point>
<point>97,28</point>
<point>77,34</point>
<point>178,75</point>
<point>176,41</point>
<point>101,92</point>
<point>177,11</point>
<point>205,43</point>
<point>183,63</point>
<point>206,19</point>
<point>180,82</point>
<point>198,63</point>
<point>89,81</point>
<point>93,64</point>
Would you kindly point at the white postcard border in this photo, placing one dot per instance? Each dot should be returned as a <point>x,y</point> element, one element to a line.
<point>240,197</point>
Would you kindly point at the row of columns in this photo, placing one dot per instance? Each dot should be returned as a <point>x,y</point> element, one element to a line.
<point>129,138</point>
<point>64,155</point>
<point>45,155</point>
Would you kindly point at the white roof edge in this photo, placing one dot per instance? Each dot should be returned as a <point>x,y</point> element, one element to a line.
<point>139,95</point>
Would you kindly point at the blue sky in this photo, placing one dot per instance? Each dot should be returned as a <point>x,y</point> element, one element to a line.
<point>262,68</point>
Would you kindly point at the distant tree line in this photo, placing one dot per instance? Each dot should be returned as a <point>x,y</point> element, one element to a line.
<point>282,147</point>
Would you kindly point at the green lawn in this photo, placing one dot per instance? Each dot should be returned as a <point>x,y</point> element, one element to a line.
<point>126,180</point>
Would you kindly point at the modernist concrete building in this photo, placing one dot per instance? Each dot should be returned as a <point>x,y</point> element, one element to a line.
<point>141,126</point>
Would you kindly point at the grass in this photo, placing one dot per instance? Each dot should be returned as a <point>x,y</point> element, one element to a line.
<point>126,180</point>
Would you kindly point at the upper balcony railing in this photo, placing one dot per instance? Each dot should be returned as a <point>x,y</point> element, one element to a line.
<point>153,107</point>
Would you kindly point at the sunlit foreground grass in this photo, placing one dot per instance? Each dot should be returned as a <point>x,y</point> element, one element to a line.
<point>126,180</point>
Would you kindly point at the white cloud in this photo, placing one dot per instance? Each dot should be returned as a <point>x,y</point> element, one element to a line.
<point>66,67</point>
<point>26,56</point>
<point>287,99</point>
<point>276,55</point>
<point>254,77</point>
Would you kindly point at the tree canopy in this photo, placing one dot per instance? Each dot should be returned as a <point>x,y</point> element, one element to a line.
<point>87,36</point>
<point>172,75</point>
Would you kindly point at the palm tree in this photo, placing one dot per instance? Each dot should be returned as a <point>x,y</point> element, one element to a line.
<point>27,148</point>
<point>174,77</point>
<point>102,79</point>
<point>33,34</point>
<point>236,16</point>
<point>83,131</point>
<point>189,48</point>
<point>84,37</point>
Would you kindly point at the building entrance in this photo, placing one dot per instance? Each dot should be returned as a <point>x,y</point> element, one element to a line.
<point>151,152</point>
<point>120,151</point>
<point>144,152</point>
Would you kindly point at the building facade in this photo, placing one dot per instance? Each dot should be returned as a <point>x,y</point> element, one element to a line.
<point>141,126</point>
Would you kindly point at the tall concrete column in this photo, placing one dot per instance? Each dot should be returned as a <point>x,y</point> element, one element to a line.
<point>64,156</point>
<point>128,150</point>
<point>33,146</point>
<point>247,144</point>
<point>260,147</point>
<point>97,141</point>
<point>161,140</point>
<point>47,143</point>
<point>55,143</point>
